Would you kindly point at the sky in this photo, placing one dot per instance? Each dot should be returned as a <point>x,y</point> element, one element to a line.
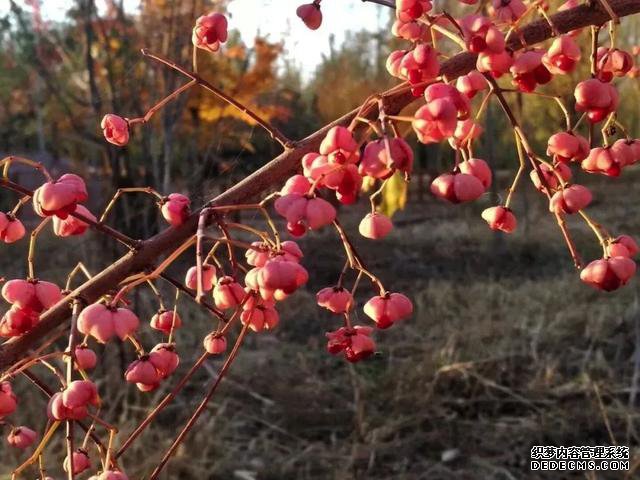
<point>277,20</point>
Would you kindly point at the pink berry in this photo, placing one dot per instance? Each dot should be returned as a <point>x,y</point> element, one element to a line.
<point>348,186</point>
<point>80,393</point>
<point>115,129</point>
<point>165,321</point>
<point>387,309</point>
<point>33,295</point>
<point>59,197</point>
<point>339,146</point>
<point>373,162</point>
<point>164,358</point>
<point>407,10</point>
<point>466,132</point>
<point>418,65</point>
<point>568,147</point>
<point>307,161</point>
<point>457,187</point>
<point>394,64</point>
<point>260,253</point>
<point>210,31</point>
<point>507,11</point>
<point>102,322</point>
<point>551,176</point>
<point>255,283</point>
<point>528,70</point>
<point>562,56</point>
<point>321,172</point>
<point>596,98</point>
<point>497,64</point>
<point>260,317</point>
<point>310,14</point>
<point>71,225</point>
<point>413,31</point>
<point>443,91</point>
<point>280,274</point>
<point>175,209</point>
<point>481,35</point>
<point>11,229</point>
<point>208,277</point>
<point>608,274</point>
<point>355,343</point>
<point>471,83</point>
<point>56,410</point>
<point>304,213</point>
<point>85,358</point>
<point>335,299</point>
<point>635,148</point>
<point>228,293</point>
<point>17,321</point>
<point>608,160</point>
<point>291,251</point>
<point>375,226</point>
<point>298,184</point>
<point>21,437</point>
<point>376,163</point>
<point>617,250</point>
<point>435,121</point>
<point>142,371</point>
<point>479,169</point>
<point>570,200</point>
<point>254,300</point>
<point>628,243</point>
<point>8,400</point>
<point>613,63</point>
<point>214,344</point>
<point>500,218</point>
<point>112,475</point>
<point>81,462</point>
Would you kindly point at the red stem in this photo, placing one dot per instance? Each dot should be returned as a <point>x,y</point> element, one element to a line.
<point>203,404</point>
<point>273,131</point>
<point>165,401</point>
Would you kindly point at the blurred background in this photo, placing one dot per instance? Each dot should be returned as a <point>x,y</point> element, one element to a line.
<point>507,348</point>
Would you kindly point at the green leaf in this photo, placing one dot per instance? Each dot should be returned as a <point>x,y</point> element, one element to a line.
<point>394,195</point>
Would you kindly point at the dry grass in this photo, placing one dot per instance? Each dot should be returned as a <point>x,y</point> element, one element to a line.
<point>506,350</point>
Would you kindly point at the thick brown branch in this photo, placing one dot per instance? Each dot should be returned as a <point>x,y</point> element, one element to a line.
<point>279,169</point>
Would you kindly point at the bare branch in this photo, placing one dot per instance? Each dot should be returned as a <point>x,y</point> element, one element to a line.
<point>385,3</point>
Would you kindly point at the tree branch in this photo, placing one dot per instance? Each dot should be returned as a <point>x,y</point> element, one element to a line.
<point>276,171</point>
<point>385,3</point>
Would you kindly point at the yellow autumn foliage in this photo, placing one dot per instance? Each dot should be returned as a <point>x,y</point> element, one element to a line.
<point>394,195</point>
<point>245,80</point>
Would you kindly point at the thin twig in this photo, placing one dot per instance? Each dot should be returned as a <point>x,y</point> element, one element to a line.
<point>273,131</point>
<point>384,3</point>
<point>158,408</point>
<point>203,404</point>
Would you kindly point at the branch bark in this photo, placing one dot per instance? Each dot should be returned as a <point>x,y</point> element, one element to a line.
<point>276,171</point>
